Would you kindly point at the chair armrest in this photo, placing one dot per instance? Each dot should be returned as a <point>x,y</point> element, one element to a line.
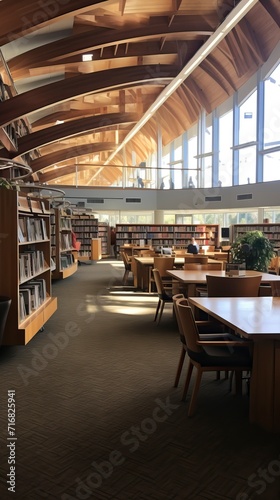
<point>206,326</point>
<point>232,343</point>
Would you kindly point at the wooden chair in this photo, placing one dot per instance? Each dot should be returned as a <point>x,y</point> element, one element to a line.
<point>209,355</point>
<point>127,267</point>
<point>164,295</point>
<point>190,266</point>
<point>163,264</point>
<point>233,286</point>
<point>196,259</point>
<point>208,329</point>
<point>213,266</point>
<point>221,256</point>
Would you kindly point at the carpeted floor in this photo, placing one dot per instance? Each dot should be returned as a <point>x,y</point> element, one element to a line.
<point>97,415</point>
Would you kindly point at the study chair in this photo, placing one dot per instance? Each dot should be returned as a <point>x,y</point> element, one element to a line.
<point>127,267</point>
<point>163,264</point>
<point>196,259</point>
<point>209,355</point>
<point>164,295</point>
<point>207,329</point>
<point>233,286</point>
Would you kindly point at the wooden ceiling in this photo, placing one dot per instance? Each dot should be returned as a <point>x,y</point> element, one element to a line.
<point>81,111</point>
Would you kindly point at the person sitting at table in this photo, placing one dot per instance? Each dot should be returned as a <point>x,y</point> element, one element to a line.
<point>193,247</point>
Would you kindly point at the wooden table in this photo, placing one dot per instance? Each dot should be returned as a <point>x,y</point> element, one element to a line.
<point>193,278</point>
<point>142,267</point>
<point>257,319</point>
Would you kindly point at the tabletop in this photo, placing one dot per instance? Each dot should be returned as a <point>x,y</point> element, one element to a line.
<point>252,317</point>
<point>148,261</point>
<point>190,276</point>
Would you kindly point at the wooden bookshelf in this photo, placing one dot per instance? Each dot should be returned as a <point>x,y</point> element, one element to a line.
<point>104,235</point>
<point>177,236</point>
<point>85,227</point>
<point>271,231</point>
<point>61,245</point>
<point>25,265</point>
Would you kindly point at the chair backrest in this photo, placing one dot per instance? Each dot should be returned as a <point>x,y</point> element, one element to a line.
<point>193,267</point>
<point>158,282</point>
<point>125,259</point>
<point>274,264</point>
<point>196,259</point>
<point>233,286</point>
<point>163,264</point>
<point>175,298</point>
<point>188,325</point>
<point>146,253</point>
<point>213,266</point>
<point>221,256</point>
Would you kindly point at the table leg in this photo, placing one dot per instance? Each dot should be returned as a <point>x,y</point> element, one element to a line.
<point>264,385</point>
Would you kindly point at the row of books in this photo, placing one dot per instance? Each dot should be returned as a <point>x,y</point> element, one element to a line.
<point>65,224</point>
<point>85,231</point>
<point>85,222</point>
<point>65,241</point>
<point>31,263</point>
<point>164,228</point>
<point>32,229</point>
<point>31,295</point>
<point>66,260</point>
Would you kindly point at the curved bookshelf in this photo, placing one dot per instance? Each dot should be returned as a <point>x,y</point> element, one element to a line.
<point>25,258</point>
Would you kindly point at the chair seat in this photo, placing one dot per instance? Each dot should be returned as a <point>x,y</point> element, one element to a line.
<point>222,357</point>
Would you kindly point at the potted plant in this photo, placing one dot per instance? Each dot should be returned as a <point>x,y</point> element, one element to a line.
<point>253,248</point>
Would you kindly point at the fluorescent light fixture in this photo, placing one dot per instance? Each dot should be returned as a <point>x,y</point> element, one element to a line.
<point>231,20</point>
<point>87,57</point>
<point>174,86</point>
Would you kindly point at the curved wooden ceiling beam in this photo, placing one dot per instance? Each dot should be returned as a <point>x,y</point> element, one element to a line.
<point>198,94</point>
<point>28,16</point>
<point>272,10</point>
<point>69,153</point>
<point>209,67</point>
<point>87,41</point>
<point>69,129</point>
<point>136,49</point>
<point>62,172</point>
<point>247,34</point>
<point>47,95</point>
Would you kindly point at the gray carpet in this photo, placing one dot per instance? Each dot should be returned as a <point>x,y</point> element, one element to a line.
<point>97,415</point>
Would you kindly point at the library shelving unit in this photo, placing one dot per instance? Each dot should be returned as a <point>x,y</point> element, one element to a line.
<point>25,274</point>
<point>61,244</point>
<point>103,234</point>
<point>270,230</point>
<point>177,236</point>
<point>85,226</point>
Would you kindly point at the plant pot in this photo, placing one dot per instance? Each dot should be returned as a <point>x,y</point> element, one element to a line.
<point>5,303</point>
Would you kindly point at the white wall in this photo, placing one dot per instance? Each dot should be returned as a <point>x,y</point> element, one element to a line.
<point>265,194</point>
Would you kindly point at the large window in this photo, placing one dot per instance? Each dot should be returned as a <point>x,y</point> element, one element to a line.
<point>272,110</point>
<point>225,145</point>
<point>248,119</point>
<point>192,160</point>
<point>247,165</point>
<point>271,160</point>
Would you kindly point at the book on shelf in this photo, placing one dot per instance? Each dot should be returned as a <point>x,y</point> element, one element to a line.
<point>31,262</point>
<point>26,295</point>
<point>38,292</point>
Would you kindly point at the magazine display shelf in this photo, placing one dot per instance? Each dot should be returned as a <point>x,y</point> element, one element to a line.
<point>25,265</point>
<point>61,244</point>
